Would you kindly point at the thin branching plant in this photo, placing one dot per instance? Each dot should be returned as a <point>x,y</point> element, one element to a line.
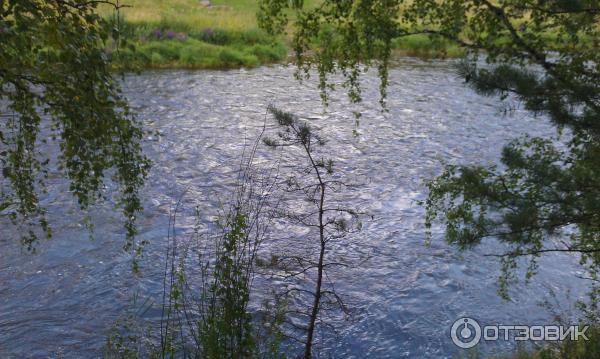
<point>312,189</point>
<point>208,278</point>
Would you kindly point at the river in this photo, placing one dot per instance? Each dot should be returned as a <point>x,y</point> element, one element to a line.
<point>60,301</point>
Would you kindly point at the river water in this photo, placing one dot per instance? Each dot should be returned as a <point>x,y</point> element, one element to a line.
<point>60,301</point>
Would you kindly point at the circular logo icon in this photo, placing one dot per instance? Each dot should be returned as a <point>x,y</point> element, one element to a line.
<point>465,333</point>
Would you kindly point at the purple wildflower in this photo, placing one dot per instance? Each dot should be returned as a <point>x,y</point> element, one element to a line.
<point>157,33</point>
<point>170,35</point>
<point>207,32</point>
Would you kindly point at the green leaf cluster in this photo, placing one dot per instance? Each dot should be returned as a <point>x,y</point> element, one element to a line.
<point>56,89</point>
<point>226,330</point>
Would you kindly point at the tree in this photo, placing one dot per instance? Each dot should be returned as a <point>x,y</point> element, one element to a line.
<point>312,186</point>
<point>543,54</point>
<point>55,74</point>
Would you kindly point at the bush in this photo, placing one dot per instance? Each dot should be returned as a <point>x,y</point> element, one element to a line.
<point>124,56</point>
<point>214,36</point>
<point>156,59</point>
<point>208,286</point>
<point>424,46</point>
<point>250,60</point>
<point>199,54</point>
<point>269,52</point>
<point>167,49</point>
<point>255,36</point>
<point>234,57</point>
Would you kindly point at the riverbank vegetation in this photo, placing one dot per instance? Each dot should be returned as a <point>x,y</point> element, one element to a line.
<point>217,35</point>
<point>224,34</point>
<point>178,46</point>
<point>191,34</point>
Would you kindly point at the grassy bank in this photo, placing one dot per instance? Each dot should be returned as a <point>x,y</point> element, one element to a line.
<point>423,46</point>
<point>188,34</point>
<point>171,46</point>
<point>225,34</point>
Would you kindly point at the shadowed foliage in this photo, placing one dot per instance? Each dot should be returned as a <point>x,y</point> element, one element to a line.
<point>54,74</point>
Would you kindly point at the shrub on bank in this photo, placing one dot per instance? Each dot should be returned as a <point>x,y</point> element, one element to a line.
<point>424,46</point>
<point>269,53</point>
<point>157,46</point>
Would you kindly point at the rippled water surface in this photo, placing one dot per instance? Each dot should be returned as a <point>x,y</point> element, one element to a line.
<point>60,301</point>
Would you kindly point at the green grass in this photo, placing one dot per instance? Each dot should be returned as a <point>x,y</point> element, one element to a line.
<point>224,35</point>
<point>229,15</point>
<point>424,46</point>
<point>177,44</point>
<point>185,34</point>
<point>189,50</point>
<point>235,39</point>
